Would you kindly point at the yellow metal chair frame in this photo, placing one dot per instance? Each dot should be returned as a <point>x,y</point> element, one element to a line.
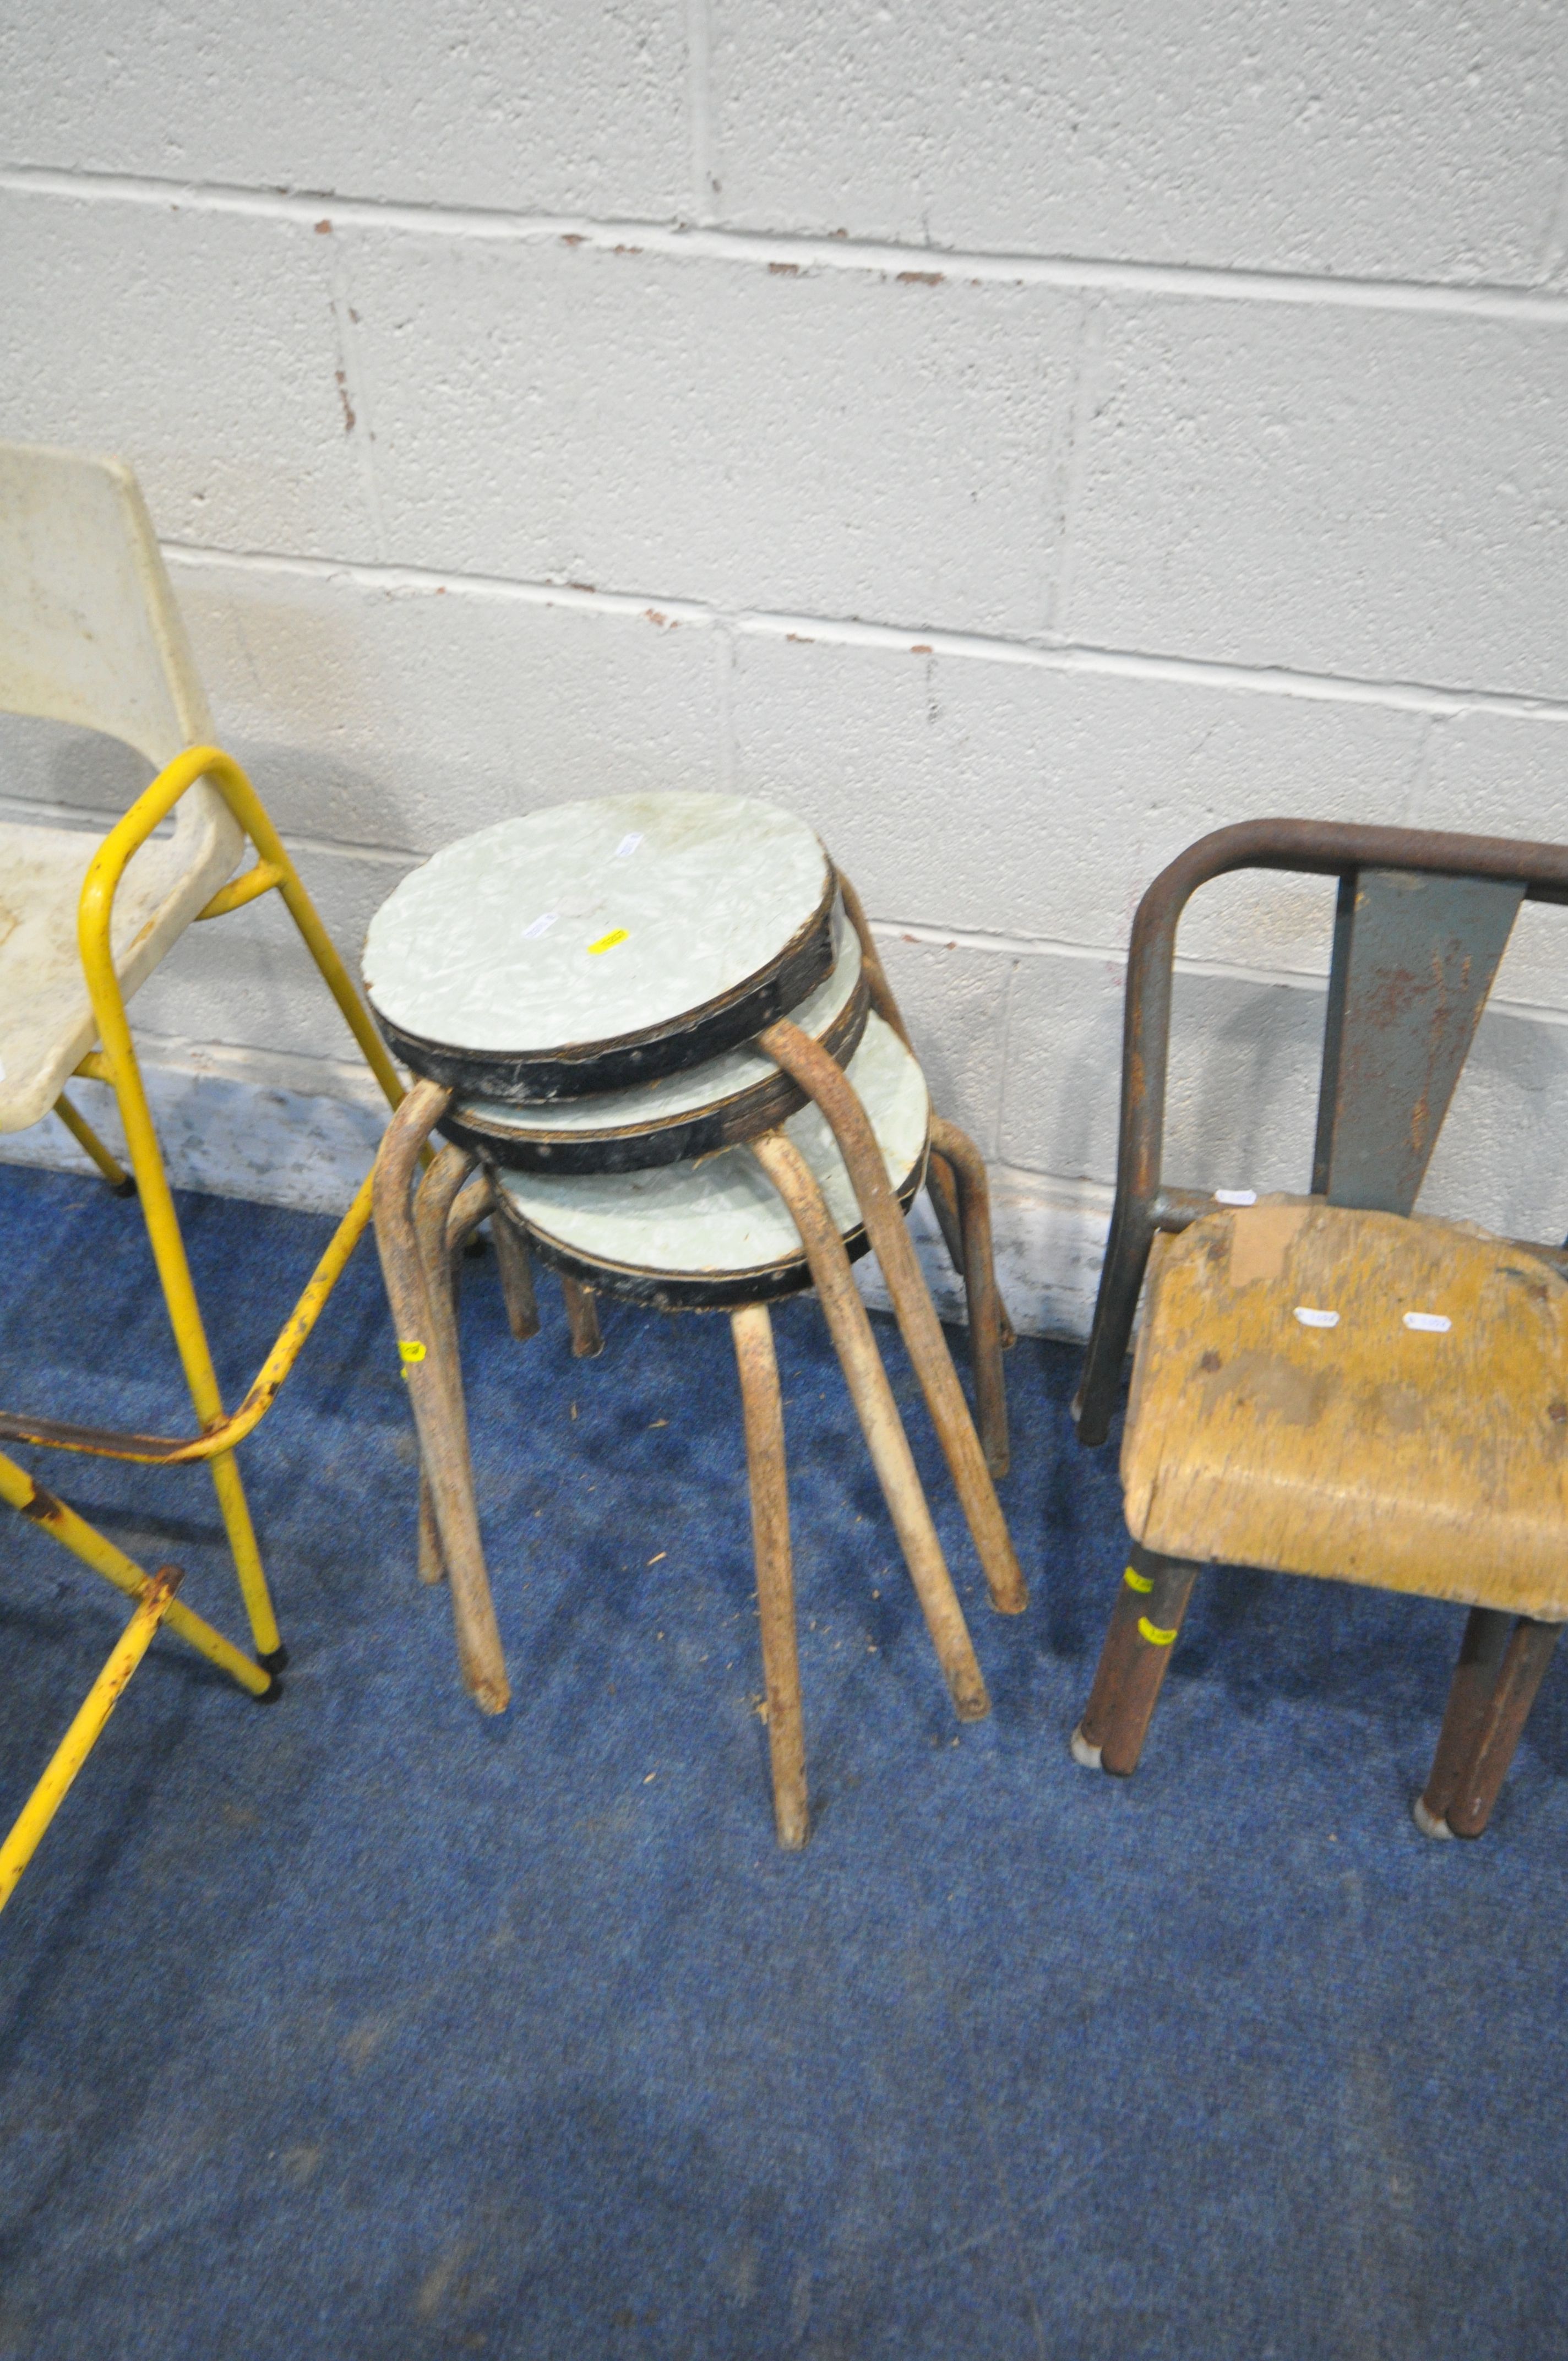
<point>114,1062</point>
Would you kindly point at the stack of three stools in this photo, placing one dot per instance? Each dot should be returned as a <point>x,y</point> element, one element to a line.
<point>657,1038</point>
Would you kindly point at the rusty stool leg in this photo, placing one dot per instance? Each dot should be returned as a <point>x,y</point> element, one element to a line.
<point>763,1414</point>
<point>582,1319</point>
<point>517,1275</point>
<point>1481,1652</point>
<point>1525,1660</point>
<point>978,1269</point>
<point>823,1081</point>
<point>1150,1603</point>
<point>887,1442</point>
<point>480,1660</point>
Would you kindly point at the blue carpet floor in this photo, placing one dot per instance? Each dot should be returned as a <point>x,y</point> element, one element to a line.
<point>359,2025</point>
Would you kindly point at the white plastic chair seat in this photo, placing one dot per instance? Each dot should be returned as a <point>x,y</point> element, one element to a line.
<point>714,1231</point>
<point>45,1019</point>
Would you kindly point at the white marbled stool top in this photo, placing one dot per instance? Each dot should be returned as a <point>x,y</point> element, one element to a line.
<point>588,922</point>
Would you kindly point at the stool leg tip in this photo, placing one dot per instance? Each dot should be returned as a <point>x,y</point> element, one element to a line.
<point>1085,1756</point>
<point>1424,1820</point>
<point>273,1661</point>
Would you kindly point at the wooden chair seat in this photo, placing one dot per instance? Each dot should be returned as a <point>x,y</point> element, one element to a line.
<point>1373,1445</point>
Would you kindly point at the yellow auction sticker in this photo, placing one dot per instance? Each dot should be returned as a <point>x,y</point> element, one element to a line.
<point>607,943</point>
<point>410,1349</point>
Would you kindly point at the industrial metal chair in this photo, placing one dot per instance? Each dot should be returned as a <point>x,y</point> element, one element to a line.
<point>89,635</point>
<point>1332,1384</point>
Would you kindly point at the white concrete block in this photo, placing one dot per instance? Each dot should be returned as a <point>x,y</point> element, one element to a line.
<point>821,442</point>
<point>1378,495</point>
<point>1014,799</point>
<point>199,346</point>
<point>1498,774</point>
<point>1419,142</point>
<point>539,105</point>
<point>246,981</point>
<point>955,1005</point>
<point>404,717</point>
<point>1242,1106</point>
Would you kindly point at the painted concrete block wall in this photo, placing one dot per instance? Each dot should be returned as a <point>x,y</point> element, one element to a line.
<point>1018,438</point>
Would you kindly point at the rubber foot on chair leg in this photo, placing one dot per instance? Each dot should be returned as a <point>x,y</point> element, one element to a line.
<point>274,1660</point>
<point>1425,1822</point>
<point>125,1188</point>
<point>1087,1756</point>
<point>270,1694</point>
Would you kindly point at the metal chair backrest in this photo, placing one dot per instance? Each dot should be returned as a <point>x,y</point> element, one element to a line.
<point>89,631</point>
<point>1422,923</point>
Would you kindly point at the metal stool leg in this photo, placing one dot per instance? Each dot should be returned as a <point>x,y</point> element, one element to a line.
<point>427,1371</point>
<point>1481,1652</point>
<point>763,1414</point>
<point>1150,1603</point>
<point>582,1319</point>
<point>809,1065</point>
<point>1525,1660</point>
<point>977,1268</point>
<point>877,1412</point>
<point>517,1277</point>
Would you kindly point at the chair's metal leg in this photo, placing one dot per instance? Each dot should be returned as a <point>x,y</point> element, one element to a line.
<point>1502,1722</point>
<point>1150,1603</point>
<point>820,1075</point>
<point>86,1729</point>
<point>53,1516</point>
<point>964,1160</point>
<point>86,1138</point>
<point>877,1412</point>
<point>763,1414</point>
<point>582,1319</point>
<point>516,1268</point>
<point>1481,1652</point>
<point>438,1417</point>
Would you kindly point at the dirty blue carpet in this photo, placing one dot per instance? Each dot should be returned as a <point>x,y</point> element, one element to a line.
<point>357,2026</point>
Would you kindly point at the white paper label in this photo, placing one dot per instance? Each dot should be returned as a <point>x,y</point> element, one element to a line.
<point>1235,1196</point>
<point>539,927</point>
<point>628,846</point>
<point>1430,1324</point>
<point>1311,1318</point>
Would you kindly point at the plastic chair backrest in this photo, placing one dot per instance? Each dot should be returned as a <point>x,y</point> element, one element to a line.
<point>1422,923</point>
<point>89,629</point>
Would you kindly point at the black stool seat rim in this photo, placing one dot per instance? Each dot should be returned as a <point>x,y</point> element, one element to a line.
<point>639,1148</point>
<point>662,1291</point>
<point>527,1077</point>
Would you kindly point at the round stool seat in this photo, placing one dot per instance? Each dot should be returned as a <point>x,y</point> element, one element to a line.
<point>594,945</point>
<point>709,1107</point>
<point>708,1234</point>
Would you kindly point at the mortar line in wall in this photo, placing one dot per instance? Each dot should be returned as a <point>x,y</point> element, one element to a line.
<point>1415,696</point>
<point>807,250</point>
<point>1022,947</point>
